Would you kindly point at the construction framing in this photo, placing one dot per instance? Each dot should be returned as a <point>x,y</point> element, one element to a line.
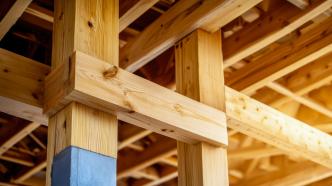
<point>91,89</point>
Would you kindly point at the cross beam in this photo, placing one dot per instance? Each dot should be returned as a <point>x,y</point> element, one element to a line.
<point>133,99</point>
<point>237,113</point>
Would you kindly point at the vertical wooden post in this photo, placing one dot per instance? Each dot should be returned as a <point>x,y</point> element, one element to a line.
<point>82,141</point>
<point>199,75</point>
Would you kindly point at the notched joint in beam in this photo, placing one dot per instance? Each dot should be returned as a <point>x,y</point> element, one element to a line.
<point>135,100</point>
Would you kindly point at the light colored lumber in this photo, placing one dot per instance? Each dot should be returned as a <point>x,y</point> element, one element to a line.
<point>40,12</point>
<point>21,82</point>
<point>135,147</point>
<point>17,160</point>
<point>92,27</point>
<point>133,138</point>
<point>134,100</point>
<point>75,125</point>
<point>294,175</point>
<point>324,127</point>
<point>170,161</point>
<point>149,173</point>
<point>132,163</point>
<point>30,173</point>
<point>12,16</point>
<point>304,100</point>
<point>135,12</point>
<point>285,59</point>
<point>277,129</point>
<point>301,81</point>
<point>274,36</point>
<point>163,179</point>
<point>302,4</point>
<point>199,76</point>
<point>177,22</point>
<point>324,182</point>
<point>253,153</point>
<point>18,137</point>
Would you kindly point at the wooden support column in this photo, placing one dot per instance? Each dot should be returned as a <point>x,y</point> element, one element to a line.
<point>82,141</point>
<point>199,75</point>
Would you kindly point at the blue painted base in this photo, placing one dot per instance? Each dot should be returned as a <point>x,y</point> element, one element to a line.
<point>78,167</point>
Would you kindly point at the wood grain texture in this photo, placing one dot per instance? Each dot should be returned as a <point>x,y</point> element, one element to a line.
<point>275,128</point>
<point>199,76</point>
<point>286,58</point>
<point>93,27</point>
<point>139,102</point>
<point>273,32</point>
<point>293,175</point>
<point>21,82</point>
<point>180,20</point>
<point>135,12</point>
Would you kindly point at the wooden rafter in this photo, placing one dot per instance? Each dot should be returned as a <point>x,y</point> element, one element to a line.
<point>134,12</point>
<point>12,16</point>
<point>272,32</point>
<point>18,136</point>
<point>183,18</point>
<point>284,59</point>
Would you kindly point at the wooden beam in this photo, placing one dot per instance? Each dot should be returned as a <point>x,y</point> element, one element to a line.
<point>31,172</point>
<point>253,153</point>
<point>12,16</point>
<point>24,160</point>
<point>180,20</point>
<point>270,33</point>
<point>134,100</point>
<point>301,81</point>
<point>199,75</point>
<point>133,138</point>
<point>135,12</point>
<point>134,162</point>
<point>277,129</point>
<point>298,174</point>
<point>304,100</point>
<point>40,12</point>
<point>18,137</point>
<point>35,138</point>
<point>324,182</point>
<point>21,80</point>
<point>78,130</point>
<point>284,59</point>
<point>302,4</point>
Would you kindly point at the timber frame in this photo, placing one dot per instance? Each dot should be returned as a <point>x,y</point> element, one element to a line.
<point>210,92</point>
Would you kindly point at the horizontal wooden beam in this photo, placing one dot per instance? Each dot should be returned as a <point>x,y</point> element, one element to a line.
<point>134,100</point>
<point>277,129</point>
<point>177,22</point>
<point>10,157</point>
<point>252,118</point>
<point>21,82</point>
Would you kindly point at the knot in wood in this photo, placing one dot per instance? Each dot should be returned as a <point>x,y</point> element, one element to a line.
<point>111,72</point>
